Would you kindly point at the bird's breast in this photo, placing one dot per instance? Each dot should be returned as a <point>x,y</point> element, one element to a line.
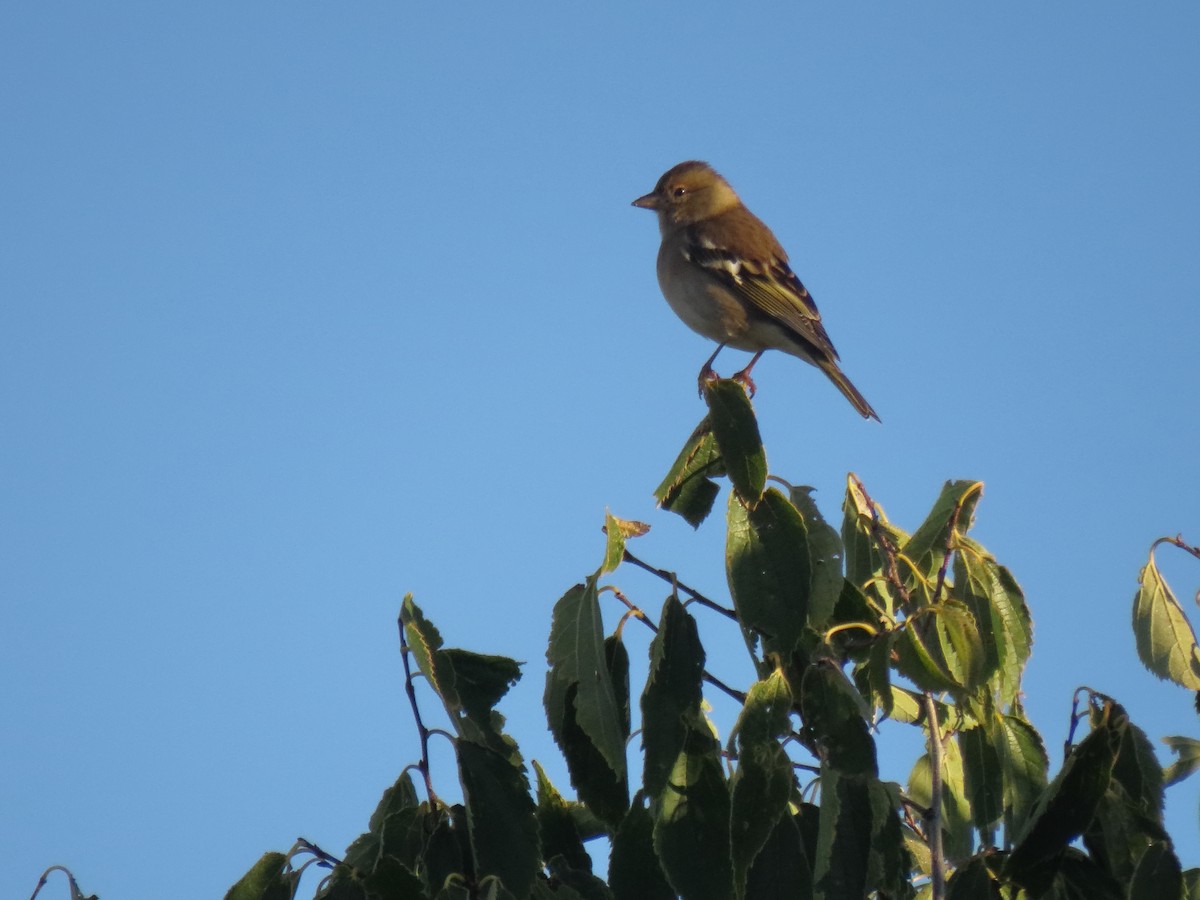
<point>704,304</point>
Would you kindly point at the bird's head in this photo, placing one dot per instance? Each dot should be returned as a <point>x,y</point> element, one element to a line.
<point>688,193</point>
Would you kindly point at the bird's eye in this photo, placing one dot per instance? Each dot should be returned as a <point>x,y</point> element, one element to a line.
<point>679,191</point>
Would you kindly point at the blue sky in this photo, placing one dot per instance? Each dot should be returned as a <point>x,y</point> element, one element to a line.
<point>309,305</point>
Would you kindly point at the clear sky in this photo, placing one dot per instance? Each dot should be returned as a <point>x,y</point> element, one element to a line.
<point>305,306</point>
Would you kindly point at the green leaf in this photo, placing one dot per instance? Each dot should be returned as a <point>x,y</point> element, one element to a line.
<point>955,506</point>
<point>1166,643</point>
<point>973,881</point>
<point>1137,769</point>
<point>1191,883</point>
<point>501,817</point>
<point>266,880</point>
<point>688,490</point>
<point>400,796</point>
<point>672,695</point>
<point>1065,808</point>
<point>956,811</point>
<point>782,870</point>
<point>691,818</point>
<point>825,558</point>
<point>633,869</point>
<point>940,649</point>
<point>1024,762</point>
<point>479,680</point>
<point>1078,877</point>
<point>865,559</point>
<point>617,532</point>
<point>736,431</point>
<point>577,659</point>
<point>834,712</point>
<point>447,854</point>
<point>1188,751</point>
<point>424,641</point>
<point>605,793</point>
<point>982,777</point>
<point>556,827</point>
<point>767,564</point>
<point>762,785</point>
<point>844,839</point>
<point>1157,875</point>
<point>995,600</point>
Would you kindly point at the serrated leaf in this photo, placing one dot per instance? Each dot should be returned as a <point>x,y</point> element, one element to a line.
<point>736,431</point>
<point>864,558</point>
<point>782,870</point>
<point>1157,875</point>
<point>983,779</point>
<point>691,819</point>
<point>825,558</point>
<point>763,782</point>
<point>1166,643</point>
<point>605,793</point>
<point>954,506</point>
<point>556,828</point>
<point>577,659</point>
<point>1065,808</point>
<point>672,695</point>
<point>998,605</point>
<point>633,869</point>
<point>501,817</point>
<point>480,680</point>
<point>1023,759</point>
<point>424,641</point>
<point>844,839</point>
<point>767,564</point>
<point>688,489</point>
<point>836,715</point>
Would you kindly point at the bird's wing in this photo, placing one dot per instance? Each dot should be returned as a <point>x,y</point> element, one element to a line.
<point>769,287</point>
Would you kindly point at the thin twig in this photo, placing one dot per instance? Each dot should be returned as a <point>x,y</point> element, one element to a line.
<point>937,861</point>
<point>422,731</point>
<point>671,579</point>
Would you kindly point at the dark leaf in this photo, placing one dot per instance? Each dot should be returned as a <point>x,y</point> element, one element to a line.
<point>633,869</point>
<point>782,869</point>
<point>767,563</point>
<point>688,490</point>
<point>736,431</point>
<point>500,816</point>
<point>672,695</point>
<point>576,656</point>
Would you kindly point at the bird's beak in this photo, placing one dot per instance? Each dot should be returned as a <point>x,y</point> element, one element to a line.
<point>650,201</point>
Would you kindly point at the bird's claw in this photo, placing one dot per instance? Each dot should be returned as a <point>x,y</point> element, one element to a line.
<point>743,378</point>
<point>707,377</point>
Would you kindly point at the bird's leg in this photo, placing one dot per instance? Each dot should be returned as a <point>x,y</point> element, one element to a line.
<point>706,372</point>
<point>743,377</point>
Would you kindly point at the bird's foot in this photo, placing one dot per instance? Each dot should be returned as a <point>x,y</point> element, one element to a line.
<point>743,378</point>
<point>707,377</point>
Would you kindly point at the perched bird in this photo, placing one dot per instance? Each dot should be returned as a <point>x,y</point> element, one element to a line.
<point>727,277</point>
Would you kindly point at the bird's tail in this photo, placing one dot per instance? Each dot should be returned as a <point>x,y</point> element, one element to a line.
<point>838,377</point>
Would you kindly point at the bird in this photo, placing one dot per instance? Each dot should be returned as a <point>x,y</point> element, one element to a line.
<point>727,277</point>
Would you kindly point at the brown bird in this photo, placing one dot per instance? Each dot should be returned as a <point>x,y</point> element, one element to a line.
<point>725,274</point>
